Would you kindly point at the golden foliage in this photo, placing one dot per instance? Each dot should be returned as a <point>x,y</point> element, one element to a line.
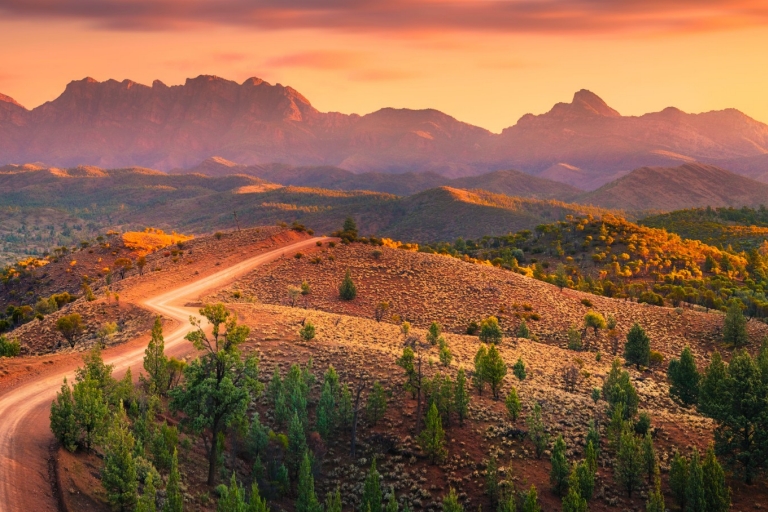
<point>151,239</point>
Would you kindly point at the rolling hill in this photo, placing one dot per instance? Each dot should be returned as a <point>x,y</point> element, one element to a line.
<point>584,143</point>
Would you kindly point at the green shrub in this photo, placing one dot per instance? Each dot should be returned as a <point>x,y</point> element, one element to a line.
<point>9,348</point>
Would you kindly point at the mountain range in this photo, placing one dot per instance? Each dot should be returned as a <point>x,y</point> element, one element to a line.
<point>584,143</point>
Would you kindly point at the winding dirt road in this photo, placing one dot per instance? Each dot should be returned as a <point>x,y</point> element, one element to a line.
<point>25,437</point>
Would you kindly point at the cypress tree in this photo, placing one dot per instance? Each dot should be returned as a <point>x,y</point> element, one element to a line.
<point>451,502</point>
<point>372,491</point>
<point>694,490</point>
<point>717,495</point>
<point>637,350</point>
<point>558,474</point>
<point>513,405</point>
<point>119,475</point>
<point>326,412</point>
<point>174,501</point>
<point>433,436</point>
<point>735,326</point>
<point>678,479</point>
<point>333,501</point>
<point>684,378</point>
<point>307,499</point>
<point>257,503</point>
<point>531,501</point>
<point>391,503</point>
<point>461,396</point>
<point>347,289</point>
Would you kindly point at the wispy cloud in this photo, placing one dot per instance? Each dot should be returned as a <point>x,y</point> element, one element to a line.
<point>509,16</point>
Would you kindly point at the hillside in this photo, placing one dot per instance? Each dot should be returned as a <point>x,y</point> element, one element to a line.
<point>584,143</point>
<point>676,188</point>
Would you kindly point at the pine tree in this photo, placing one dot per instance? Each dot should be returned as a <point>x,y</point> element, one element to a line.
<point>490,331</point>
<point>735,326</point>
<point>655,501</point>
<point>434,333</point>
<point>637,350</point>
<point>531,501</point>
<point>433,437</point>
<point>391,502</point>
<point>63,421</point>
<point>684,378</point>
<point>333,501</point>
<point>629,463</point>
<point>147,502</point>
<point>258,437</point>
<point>257,503</point>
<point>717,495</point>
<point>593,436</point>
<point>523,331</point>
<point>694,490</point>
<point>174,501</point>
<point>377,404</point>
<point>479,379</point>
<point>444,353</point>
<point>585,471</point>
<point>558,474</point>
<point>495,370</point>
<point>372,499</point>
<point>451,502</point>
<point>90,410</point>
<point>573,501</point>
<point>347,289</point>
<point>297,444</point>
<point>536,431</point>
<point>232,497</point>
<point>307,499</point>
<point>326,413</point>
<point>492,480</point>
<point>119,475</point>
<point>508,502</point>
<point>156,362</point>
<point>649,457</point>
<point>512,402</point>
<point>461,396</point>
<point>678,479</point>
<point>275,387</point>
<point>519,369</point>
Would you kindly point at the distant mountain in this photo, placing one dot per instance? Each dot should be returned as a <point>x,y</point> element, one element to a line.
<point>685,186</point>
<point>508,182</point>
<point>584,143</point>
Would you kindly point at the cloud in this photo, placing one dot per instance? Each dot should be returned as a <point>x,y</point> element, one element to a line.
<point>506,16</point>
<point>381,75</point>
<point>317,60</point>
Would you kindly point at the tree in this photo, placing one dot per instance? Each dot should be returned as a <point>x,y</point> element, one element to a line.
<point>377,403</point>
<point>434,333</point>
<point>508,502</point>
<point>537,432</point>
<point>650,463</point>
<point>558,474</point>
<point>90,410</point>
<point>372,497</point>
<point>637,350</point>
<point>694,491</point>
<point>561,278</point>
<point>297,444</point>
<point>523,331</point>
<point>678,479</point>
<point>684,378</point>
<point>156,362</point>
<point>333,501</point>
<point>232,497</point>
<point>494,369</point>
<point>71,327</point>
<point>629,462</point>
<point>444,353</point>
<point>478,379</point>
<point>461,396</point>
<point>141,262</point>
<point>519,369</point>
<point>451,502</point>
<point>512,403</point>
<point>148,498</point>
<point>531,501</point>
<point>618,389</point>
<point>63,422</point>
<point>735,326</point>
<point>574,339</point>
<point>119,475</point>
<point>326,412</point>
<point>123,265</point>
<point>594,320</point>
<point>573,500</point>
<point>218,385</point>
<point>655,501</point>
<point>717,495</point>
<point>307,332</point>
<point>307,500</point>
<point>391,503</point>
<point>174,501</point>
<point>490,331</point>
<point>492,480</point>
<point>347,289</point>
<point>433,437</point>
<point>105,331</point>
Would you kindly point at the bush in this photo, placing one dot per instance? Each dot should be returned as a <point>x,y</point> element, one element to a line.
<point>307,332</point>
<point>298,255</point>
<point>656,359</point>
<point>9,348</point>
<point>347,290</point>
<point>586,302</point>
<point>376,254</point>
<point>643,424</point>
<point>490,331</point>
<point>472,328</point>
<point>637,350</point>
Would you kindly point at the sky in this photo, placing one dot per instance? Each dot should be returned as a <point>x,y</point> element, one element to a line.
<point>486,62</point>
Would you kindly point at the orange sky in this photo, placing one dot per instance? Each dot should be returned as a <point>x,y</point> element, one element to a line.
<point>486,62</point>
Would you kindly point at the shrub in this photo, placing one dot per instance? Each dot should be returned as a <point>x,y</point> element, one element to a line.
<point>684,378</point>
<point>472,328</point>
<point>637,350</point>
<point>490,331</point>
<point>218,235</point>
<point>574,339</point>
<point>586,302</point>
<point>376,254</point>
<point>9,348</point>
<point>307,332</point>
<point>656,358</point>
<point>298,255</point>
<point>347,290</point>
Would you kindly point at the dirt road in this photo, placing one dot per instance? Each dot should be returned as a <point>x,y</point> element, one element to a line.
<point>25,437</point>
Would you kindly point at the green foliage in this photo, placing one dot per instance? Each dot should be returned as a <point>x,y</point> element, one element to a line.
<point>90,411</point>
<point>519,369</point>
<point>585,473</point>
<point>297,444</point>
<point>444,353</point>
<point>347,289</point>
<point>326,412</point>
<point>594,320</point>
<point>490,331</point>
<point>451,502</point>
<point>392,503</point>
<point>629,462</point>
<point>593,436</point>
<point>637,350</point>
<point>156,362</point>
<point>694,490</point>
<point>531,501</point>
<point>461,396</point>
<point>523,331</point>
<point>573,500</point>
<point>655,501</point>
<point>650,461</point>
<point>71,327</point>
<point>595,395</point>
<point>64,424</point>
<point>219,385</point>
<point>9,348</point>
<point>494,370</point>
<point>377,404</point>
<point>492,479</point>
<point>618,389</point>
<point>307,499</point>
<point>717,495</point>
<point>174,501</point>
<point>119,474</point>
<point>735,326</point>
<point>508,502</point>
<point>574,339</point>
<point>148,498</point>
<point>536,431</point>
<point>512,403</point>
<point>164,441</point>
<point>432,438</point>
<point>558,474</point>
<point>434,333</point>
<point>478,380</point>
<point>643,424</point>
<point>678,479</point>
<point>333,501</point>
<point>307,332</point>
<point>372,496</point>
<point>684,378</point>
<point>258,437</point>
<point>408,363</point>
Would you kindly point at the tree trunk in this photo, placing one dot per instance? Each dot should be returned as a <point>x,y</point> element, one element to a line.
<point>418,401</point>
<point>355,415</point>
<point>212,458</point>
